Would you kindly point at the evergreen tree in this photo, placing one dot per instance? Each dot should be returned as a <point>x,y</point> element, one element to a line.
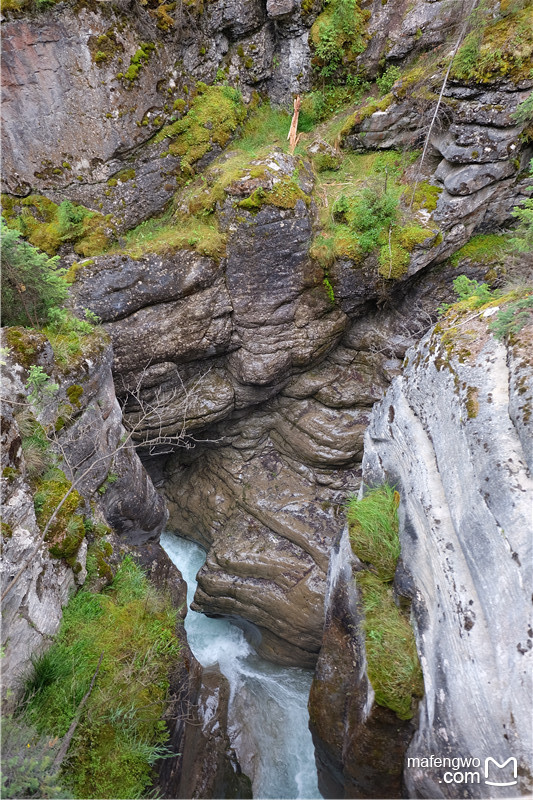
<point>32,285</point>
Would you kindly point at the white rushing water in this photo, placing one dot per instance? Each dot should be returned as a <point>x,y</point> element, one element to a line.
<point>268,720</point>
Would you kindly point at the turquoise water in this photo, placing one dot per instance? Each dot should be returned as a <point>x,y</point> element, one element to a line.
<point>268,719</point>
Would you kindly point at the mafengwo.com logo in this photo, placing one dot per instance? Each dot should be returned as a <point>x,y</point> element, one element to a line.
<point>459,770</point>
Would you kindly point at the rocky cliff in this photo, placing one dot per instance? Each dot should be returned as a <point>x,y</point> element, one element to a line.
<point>259,303</point>
<point>453,435</point>
<point>78,428</point>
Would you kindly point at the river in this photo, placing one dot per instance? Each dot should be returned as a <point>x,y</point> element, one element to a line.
<point>268,719</point>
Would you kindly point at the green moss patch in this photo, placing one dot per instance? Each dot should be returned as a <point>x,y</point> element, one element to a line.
<point>47,225</point>
<point>66,532</point>
<point>74,394</point>
<point>284,194</point>
<point>104,48</point>
<point>481,249</point>
<point>214,114</point>
<point>393,667</point>
<point>498,48</point>
<point>18,7</point>
<point>139,59</point>
<point>121,734</point>
<point>26,343</point>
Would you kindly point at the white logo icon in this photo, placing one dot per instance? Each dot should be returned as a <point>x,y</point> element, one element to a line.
<point>500,766</point>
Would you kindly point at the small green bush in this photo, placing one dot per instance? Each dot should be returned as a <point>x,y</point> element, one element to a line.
<point>524,112</point>
<point>338,36</point>
<point>386,81</point>
<point>32,285</point>
<point>513,317</point>
<point>27,759</point>
<point>466,289</point>
<point>367,213</point>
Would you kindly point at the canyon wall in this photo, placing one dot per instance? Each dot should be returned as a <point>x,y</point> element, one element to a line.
<point>453,435</point>
<point>87,447</point>
<point>249,367</point>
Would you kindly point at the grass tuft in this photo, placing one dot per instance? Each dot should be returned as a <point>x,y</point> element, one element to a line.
<point>392,660</point>
<point>373,524</point>
<point>121,733</point>
<point>393,666</point>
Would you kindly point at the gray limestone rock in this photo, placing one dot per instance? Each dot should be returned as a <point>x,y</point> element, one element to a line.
<point>450,435</point>
<point>469,178</point>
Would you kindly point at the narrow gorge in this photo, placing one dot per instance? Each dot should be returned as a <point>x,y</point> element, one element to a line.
<point>295,371</point>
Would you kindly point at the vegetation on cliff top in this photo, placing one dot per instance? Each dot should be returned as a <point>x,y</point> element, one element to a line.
<point>393,666</point>
<point>192,223</point>
<point>121,733</point>
<point>369,216</point>
<point>497,46</point>
<point>514,310</point>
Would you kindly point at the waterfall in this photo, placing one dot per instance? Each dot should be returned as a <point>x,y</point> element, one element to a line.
<point>268,719</point>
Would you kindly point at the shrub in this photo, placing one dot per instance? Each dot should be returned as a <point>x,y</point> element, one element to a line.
<point>386,81</point>
<point>32,284</point>
<point>27,759</point>
<point>524,112</point>
<point>466,289</point>
<point>513,317</point>
<point>338,36</point>
<point>367,213</point>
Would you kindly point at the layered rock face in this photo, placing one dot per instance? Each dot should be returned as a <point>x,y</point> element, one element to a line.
<point>89,449</point>
<point>454,435</point>
<point>476,151</point>
<point>268,384</point>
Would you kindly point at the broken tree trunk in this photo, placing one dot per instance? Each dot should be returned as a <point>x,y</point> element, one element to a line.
<point>293,137</point>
